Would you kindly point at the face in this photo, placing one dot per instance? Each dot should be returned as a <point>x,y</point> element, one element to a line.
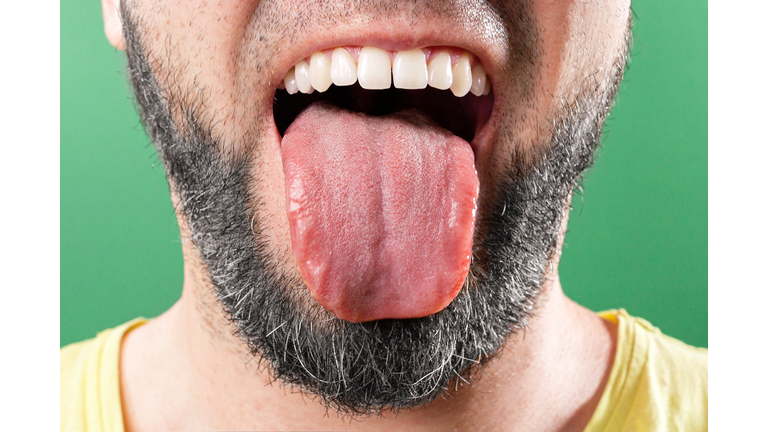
<point>375,245</point>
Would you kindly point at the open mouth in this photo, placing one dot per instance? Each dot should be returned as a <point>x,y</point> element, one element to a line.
<point>381,186</point>
<point>448,85</point>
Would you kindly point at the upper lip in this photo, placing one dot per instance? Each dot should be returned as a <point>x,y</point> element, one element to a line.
<point>391,36</point>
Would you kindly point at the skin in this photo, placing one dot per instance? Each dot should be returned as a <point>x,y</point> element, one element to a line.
<point>186,371</point>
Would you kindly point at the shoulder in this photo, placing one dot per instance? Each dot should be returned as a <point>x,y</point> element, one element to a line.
<point>90,382</point>
<point>77,364</point>
<point>672,361</point>
<point>674,380</point>
<point>657,382</point>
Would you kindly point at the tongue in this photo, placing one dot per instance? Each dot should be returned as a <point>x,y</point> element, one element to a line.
<point>381,210</point>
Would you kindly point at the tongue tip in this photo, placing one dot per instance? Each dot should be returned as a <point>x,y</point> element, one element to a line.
<point>399,304</point>
<point>376,312</point>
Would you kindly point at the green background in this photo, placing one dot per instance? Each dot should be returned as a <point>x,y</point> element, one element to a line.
<point>637,236</point>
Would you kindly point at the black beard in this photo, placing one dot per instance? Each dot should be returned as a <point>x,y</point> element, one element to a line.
<point>364,368</point>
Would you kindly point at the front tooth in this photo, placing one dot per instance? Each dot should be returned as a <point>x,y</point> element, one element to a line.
<point>462,76</point>
<point>487,87</point>
<point>290,82</point>
<point>478,80</point>
<point>440,74</point>
<point>410,70</point>
<point>343,68</point>
<point>302,77</point>
<point>320,72</point>
<point>374,72</point>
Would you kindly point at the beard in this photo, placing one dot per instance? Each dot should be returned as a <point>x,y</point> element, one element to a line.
<point>370,367</point>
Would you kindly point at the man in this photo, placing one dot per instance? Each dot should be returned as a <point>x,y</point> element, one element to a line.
<point>373,198</point>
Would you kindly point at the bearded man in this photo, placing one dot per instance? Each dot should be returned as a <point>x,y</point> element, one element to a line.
<point>372,198</point>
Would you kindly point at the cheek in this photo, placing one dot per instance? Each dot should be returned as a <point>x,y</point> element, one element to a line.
<point>575,39</point>
<point>580,39</point>
<point>196,50</point>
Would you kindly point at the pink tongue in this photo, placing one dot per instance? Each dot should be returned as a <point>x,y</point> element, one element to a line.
<point>381,210</point>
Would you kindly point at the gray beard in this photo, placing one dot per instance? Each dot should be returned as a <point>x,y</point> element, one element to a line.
<point>366,368</point>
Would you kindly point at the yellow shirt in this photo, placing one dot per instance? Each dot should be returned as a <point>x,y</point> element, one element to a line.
<point>90,382</point>
<point>656,384</point>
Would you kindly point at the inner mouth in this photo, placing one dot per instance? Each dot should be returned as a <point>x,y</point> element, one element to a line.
<point>462,116</point>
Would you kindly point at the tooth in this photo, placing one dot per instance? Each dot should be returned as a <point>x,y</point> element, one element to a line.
<point>343,68</point>
<point>374,71</point>
<point>410,70</point>
<point>487,88</point>
<point>302,77</point>
<point>440,74</point>
<point>478,80</point>
<point>462,76</point>
<point>320,72</point>
<point>290,82</point>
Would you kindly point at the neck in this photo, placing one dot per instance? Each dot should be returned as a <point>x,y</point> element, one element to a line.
<point>549,377</point>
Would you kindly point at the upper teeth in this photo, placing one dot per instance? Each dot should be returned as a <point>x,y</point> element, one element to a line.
<point>410,70</point>
<point>462,76</point>
<point>376,69</point>
<point>320,72</point>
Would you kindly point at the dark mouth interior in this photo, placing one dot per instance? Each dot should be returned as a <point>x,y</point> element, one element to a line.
<point>463,116</point>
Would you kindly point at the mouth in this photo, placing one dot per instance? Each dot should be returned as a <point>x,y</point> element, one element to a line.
<point>448,84</point>
<point>379,150</point>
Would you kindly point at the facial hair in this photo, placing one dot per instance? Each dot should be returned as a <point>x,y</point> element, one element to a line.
<point>367,368</point>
